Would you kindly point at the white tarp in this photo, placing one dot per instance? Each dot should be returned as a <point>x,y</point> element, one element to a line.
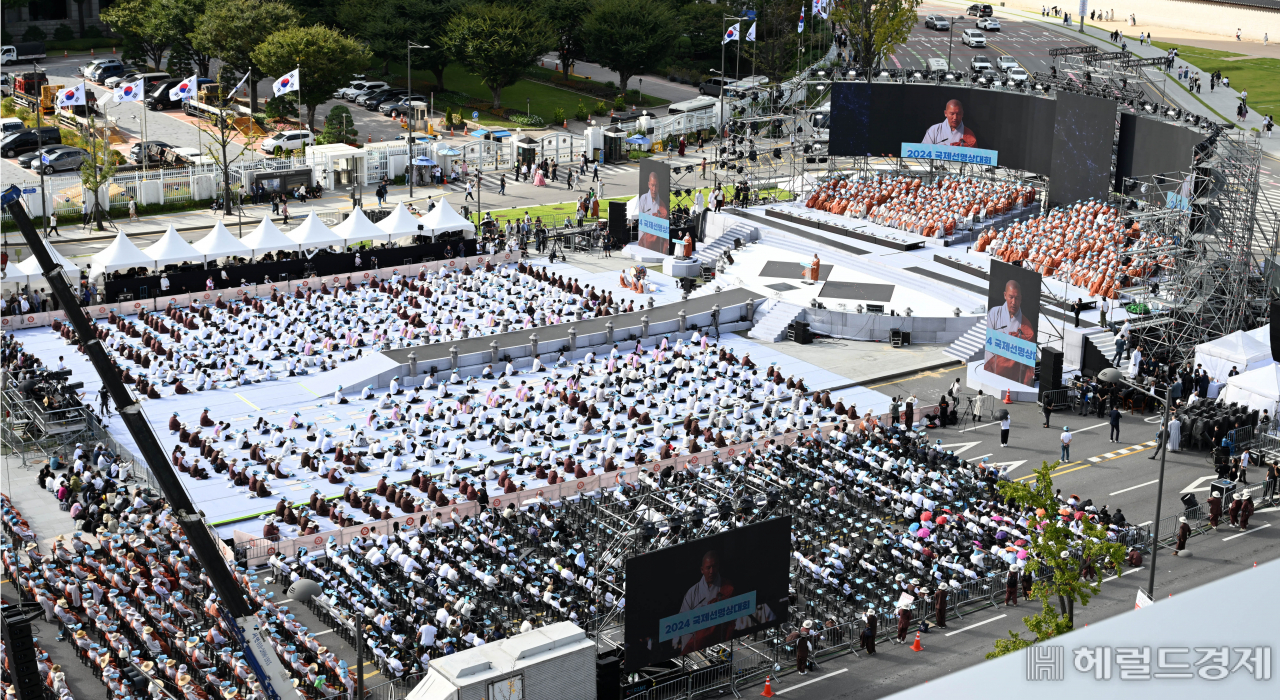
<point>266,238</point>
<point>358,228</point>
<point>28,271</point>
<point>221,244</point>
<point>401,223</point>
<point>1258,389</point>
<point>314,234</point>
<point>171,248</point>
<point>443,218</point>
<point>1262,335</point>
<point>1237,350</point>
<point>122,254</point>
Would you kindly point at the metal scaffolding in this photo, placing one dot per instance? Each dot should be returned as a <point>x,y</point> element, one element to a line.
<point>35,433</point>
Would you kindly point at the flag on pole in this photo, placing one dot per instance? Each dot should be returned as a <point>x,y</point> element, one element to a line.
<point>71,96</point>
<point>731,35</point>
<point>800,30</point>
<point>184,90</point>
<point>751,33</point>
<point>129,92</point>
<point>823,9</point>
<point>240,84</point>
<point>287,83</point>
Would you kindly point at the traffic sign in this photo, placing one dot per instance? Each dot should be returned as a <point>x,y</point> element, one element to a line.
<point>28,190</point>
<point>475,115</point>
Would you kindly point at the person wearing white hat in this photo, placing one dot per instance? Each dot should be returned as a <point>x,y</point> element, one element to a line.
<point>1184,532</point>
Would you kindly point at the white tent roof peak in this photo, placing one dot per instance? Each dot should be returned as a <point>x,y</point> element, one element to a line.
<point>358,228</point>
<point>122,254</point>
<point>267,238</point>
<point>220,244</point>
<point>443,218</point>
<point>171,248</point>
<point>400,223</point>
<point>312,233</point>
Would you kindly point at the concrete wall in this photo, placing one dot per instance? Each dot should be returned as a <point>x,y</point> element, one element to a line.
<point>1200,16</point>
<point>854,326</point>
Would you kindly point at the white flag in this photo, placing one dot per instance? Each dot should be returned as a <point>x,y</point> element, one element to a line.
<point>239,85</point>
<point>287,83</point>
<point>129,92</point>
<point>824,9</point>
<point>184,90</point>
<point>71,96</point>
<point>731,35</point>
<point>751,33</point>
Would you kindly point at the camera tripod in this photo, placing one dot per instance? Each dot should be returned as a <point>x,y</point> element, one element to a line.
<point>969,416</point>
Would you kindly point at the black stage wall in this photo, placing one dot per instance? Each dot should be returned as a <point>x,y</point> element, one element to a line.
<point>1150,147</point>
<point>1084,130</point>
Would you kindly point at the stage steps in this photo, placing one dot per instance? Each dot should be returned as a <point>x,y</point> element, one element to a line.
<point>708,251</point>
<point>1105,341</point>
<point>969,347</point>
<point>773,326</point>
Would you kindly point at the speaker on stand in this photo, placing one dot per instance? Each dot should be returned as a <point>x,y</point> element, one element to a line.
<point>608,677</point>
<point>20,649</point>
<point>1050,369</point>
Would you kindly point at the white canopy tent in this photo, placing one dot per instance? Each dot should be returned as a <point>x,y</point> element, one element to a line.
<point>171,248</point>
<point>358,228</point>
<point>1257,389</point>
<point>266,238</point>
<point>221,244</point>
<point>314,234</point>
<point>1262,335</point>
<point>1238,350</point>
<point>401,223</point>
<point>443,219</point>
<point>122,254</point>
<point>28,271</point>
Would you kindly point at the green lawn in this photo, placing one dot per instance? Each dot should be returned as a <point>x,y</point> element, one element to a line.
<point>555,213</point>
<point>1260,76</point>
<point>538,98</point>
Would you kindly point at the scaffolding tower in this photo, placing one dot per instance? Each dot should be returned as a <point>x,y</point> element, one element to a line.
<point>35,433</point>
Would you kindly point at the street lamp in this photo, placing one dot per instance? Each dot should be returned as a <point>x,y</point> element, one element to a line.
<point>641,90</point>
<point>720,114</point>
<point>408,83</point>
<point>951,35</point>
<point>1111,375</point>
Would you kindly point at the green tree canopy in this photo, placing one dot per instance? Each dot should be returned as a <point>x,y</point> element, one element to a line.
<point>630,37</point>
<point>566,18</point>
<point>498,43</point>
<point>145,27</point>
<point>327,58</point>
<point>387,26</point>
<point>703,23</point>
<point>876,27</point>
<point>232,29</point>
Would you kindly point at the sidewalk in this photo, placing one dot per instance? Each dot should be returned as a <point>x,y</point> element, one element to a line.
<point>1220,105</point>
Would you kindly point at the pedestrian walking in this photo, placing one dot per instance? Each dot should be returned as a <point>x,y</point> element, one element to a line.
<point>803,640</point>
<point>502,183</point>
<point>53,225</point>
<point>568,180</point>
<point>1184,532</point>
<point>1115,424</point>
<point>1119,348</point>
<point>133,210</point>
<point>1011,585</point>
<point>595,173</point>
<point>1162,439</point>
<point>1004,429</point>
<point>284,211</point>
<point>1065,437</point>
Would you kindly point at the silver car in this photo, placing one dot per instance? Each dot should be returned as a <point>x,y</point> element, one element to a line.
<point>69,159</point>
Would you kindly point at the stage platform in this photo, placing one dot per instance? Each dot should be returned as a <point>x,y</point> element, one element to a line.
<point>643,255</point>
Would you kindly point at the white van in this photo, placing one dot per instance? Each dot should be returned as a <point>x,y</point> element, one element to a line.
<point>8,125</point>
<point>695,105</point>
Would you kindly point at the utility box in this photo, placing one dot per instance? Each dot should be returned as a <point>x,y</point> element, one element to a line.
<point>557,662</point>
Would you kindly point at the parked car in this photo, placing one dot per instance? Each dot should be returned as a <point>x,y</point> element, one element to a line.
<point>341,93</point>
<point>372,102</point>
<point>6,87</point>
<point>24,160</point>
<point>8,125</point>
<point>990,24</point>
<point>27,140</point>
<point>980,10</point>
<point>158,93</point>
<point>135,153</point>
<point>87,69</point>
<point>64,159</point>
<point>973,37</point>
<point>1006,63</point>
<point>288,140</point>
<point>395,108</point>
<point>357,88</point>
<point>369,88</point>
<point>713,86</point>
<point>937,22</point>
<point>979,63</point>
<point>124,77</point>
<point>115,70</point>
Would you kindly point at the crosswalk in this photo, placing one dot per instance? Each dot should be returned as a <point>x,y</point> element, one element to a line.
<point>1124,451</point>
<point>490,182</point>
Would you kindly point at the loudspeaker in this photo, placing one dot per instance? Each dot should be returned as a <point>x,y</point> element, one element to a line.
<point>1275,330</point>
<point>618,222</point>
<point>688,284</point>
<point>608,677</point>
<point>1050,369</point>
<point>20,648</point>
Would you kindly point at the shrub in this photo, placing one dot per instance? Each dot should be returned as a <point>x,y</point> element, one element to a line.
<point>620,103</point>
<point>92,31</point>
<point>582,114</point>
<point>532,121</point>
<point>601,108</point>
<point>6,107</point>
<point>558,116</point>
<point>34,33</point>
<point>63,33</point>
<point>611,85</point>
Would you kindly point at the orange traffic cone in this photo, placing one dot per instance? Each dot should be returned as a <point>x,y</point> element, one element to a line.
<point>566,125</point>
<point>90,51</point>
<point>768,687</point>
<point>1007,394</point>
<point>113,50</point>
<point>465,129</point>
<point>64,53</point>
<point>915,646</point>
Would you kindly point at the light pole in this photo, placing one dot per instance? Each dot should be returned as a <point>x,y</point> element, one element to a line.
<point>951,37</point>
<point>408,83</point>
<point>640,82</point>
<point>1111,375</point>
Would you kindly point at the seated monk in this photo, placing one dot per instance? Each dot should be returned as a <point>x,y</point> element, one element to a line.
<point>178,388</point>
<point>205,420</point>
<point>152,393</point>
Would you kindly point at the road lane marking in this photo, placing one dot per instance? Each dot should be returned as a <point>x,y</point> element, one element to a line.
<point>1117,493</point>
<point>814,680</point>
<point>1246,532</point>
<point>978,624</point>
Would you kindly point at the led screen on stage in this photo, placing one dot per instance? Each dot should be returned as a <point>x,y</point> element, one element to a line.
<point>1083,134</point>
<point>878,118</point>
<point>654,205</point>
<point>1013,312</point>
<point>708,591</point>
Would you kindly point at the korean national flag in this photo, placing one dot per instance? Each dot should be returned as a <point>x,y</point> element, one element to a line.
<point>129,92</point>
<point>71,96</point>
<point>287,83</point>
<point>731,35</point>
<point>800,29</point>
<point>184,90</point>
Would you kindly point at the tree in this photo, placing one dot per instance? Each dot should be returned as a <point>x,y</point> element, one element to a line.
<point>327,58</point>
<point>183,18</point>
<point>339,127</point>
<point>97,170</point>
<point>630,37</point>
<point>876,27</point>
<point>232,29</point>
<point>703,24</point>
<point>1056,550</point>
<point>145,28</point>
<point>498,43</point>
<point>222,131</point>
<point>566,18</point>
<point>1046,625</point>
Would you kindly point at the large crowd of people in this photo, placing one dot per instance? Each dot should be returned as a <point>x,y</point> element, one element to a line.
<point>939,209</point>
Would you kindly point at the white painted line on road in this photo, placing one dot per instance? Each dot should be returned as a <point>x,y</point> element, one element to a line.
<point>1117,493</point>
<point>815,680</point>
<point>1146,523</point>
<point>978,624</point>
<point>1123,573</point>
<point>1095,459</point>
<point>1242,534</point>
<point>1090,427</point>
<point>989,454</point>
<point>987,425</point>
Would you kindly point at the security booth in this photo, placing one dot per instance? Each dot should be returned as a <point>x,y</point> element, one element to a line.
<point>526,151</point>
<point>339,166</point>
<point>284,181</point>
<point>615,149</point>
